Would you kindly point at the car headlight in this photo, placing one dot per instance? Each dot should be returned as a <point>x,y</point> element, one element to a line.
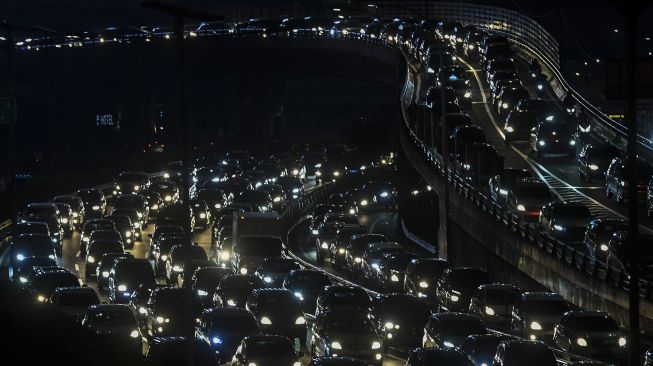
<point>336,345</point>
<point>572,142</point>
<point>455,298</point>
<point>594,167</point>
<point>394,278</point>
<point>364,203</point>
<point>489,311</point>
<point>376,345</point>
<point>118,187</point>
<point>41,298</point>
<point>52,256</point>
<point>341,250</point>
<point>267,279</point>
<point>105,274</point>
<point>202,215</point>
<point>352,211</point>
<point>177,268</point>
<point>85,239</point>
<point>142,310</point>
<point>510,129</point>
<point>136,188</point>
<point>202,293</point>
<point>243,270</point>
<point>155,207</point>
<point>217,205</point>
<point>90,259</point>
<point>423,284</point>
<point>336,173</point>
<point>295,171</point>
<point>265,320</point>
<point>20,257</point>
<point>300,320</point>
<point>140,215</point>
<point>164,257</point>
<point>384,194</point>
<point>166,175</point>
<point>295,190</point>
<point>167,198</point>
<point>604,247</point>
<point>225,255</point>
<point>128,233</point>
<point>541,142</point>
<point>134,333</point>
<point>581,342</point>
<point>504,105</point>
<point>447,344</point>
<point>276,199</point>
<point>95,208</point>
<point>622,342</point>
<point>389,325</point>
<point>299,295</point>
<point>325,245</point>
<point>122,288</point>
<point>64,220</point>
<point>467,94</point>
<point>558,227</point>
<point>357,260</point>
<point>231,302</point>
<point>521,208</point>
<point>160,319</point>
<point>536,326</point>
<point>216,340</point>
<point>75,214</point>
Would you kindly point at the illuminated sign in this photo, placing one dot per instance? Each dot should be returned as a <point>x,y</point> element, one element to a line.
<point>104,119</point>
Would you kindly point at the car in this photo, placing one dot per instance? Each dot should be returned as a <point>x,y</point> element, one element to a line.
<point>233,290</point>
<point>126,229</point>
<point>201,213</point>
<point>525,201</point>
<point>133,201</point>
<point>114,324</point>
<point>94,202</point>
<point>422,275</point>
<point>139,298</point>
<point>455,77</point>
<point>260,200</point>
<point>214,197</point>
<point>542,108</point>
<point>278,311</point>
<point>77,207</point>
<point>522,352</point>
<point>30,227</point>
<point>265,350</point>
<point>54,228</point>
<point>593,160</point>
<point>167,312</point>
<point>65,218</point>
<point>42,209</point>
<point>273,270</point>
<point>172,351</point>
<point>566,221</point>
<point>292,186</point>
<point>318,214</point>
<point>138,221</point>
<point>354,252</point>
<point>508,98</point>
<point>342,298</point>
<point>457,285</point>
<point>616,179</point>
<point>598,234</point>
<point>337,333</point>
<point>168,190</point>
<point>373,254</point>
<point>591,334</point>
<point>155,202</point>
<point>330,171</point>
<point>391,271</point>
<point>378,194</point>
<point>463,136</point>
<point>222,329</point>
<point>251,250</point>
<point>96,249</point>
<point>43,284</point>
<point>278,196</point>
<point>553,137</point>
<point>648,358</point>
<point>104,265</point>
<point>327,231</point>
<point>205,280</point>
<point>435,356</point>
<point>519,124</point>
<point>125,276</point>
<point>90,226</point>
<point>181,255</point>
<point>337,248</point>
<point>478,162</point>
<point>73,301</point>
<point>131,182</point>
<point>178,215</point>
<point>306,285</point>
<point>400,320</point>
<point>336,361</point>
<point>492,303</point>
<point>449,330</point>
<point>481,348</point>
<point>535,314</point>
<point>506,181</point>
<point>617,257</point>
<point>30,246</point>
<point>26,267</point>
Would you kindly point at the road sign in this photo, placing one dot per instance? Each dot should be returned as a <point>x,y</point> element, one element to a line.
<point>616,78</point>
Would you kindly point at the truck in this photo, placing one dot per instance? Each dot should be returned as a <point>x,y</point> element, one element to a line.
<point>256,236</point>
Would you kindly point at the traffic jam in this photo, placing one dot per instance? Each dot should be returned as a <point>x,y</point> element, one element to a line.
<point>135,265</point>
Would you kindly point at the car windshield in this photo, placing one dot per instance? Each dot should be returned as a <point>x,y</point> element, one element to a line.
<point>530,356</point>
<point>85,298</point>
<point>599,323</point>
<point>572,212</point>
<point>259,246</point>
<point>348,326</point>
<point>171,302</point>
<point>547,307</point>
<point>500,296</point>
<point>462,327</point>
<point>270,348</point>
<point>90,195</point>
<point>112,317</point>
<point>285,301</point>
<point>467,280</point>
<point>311,280</point>
<point>233,322</point>
<point>533,192</point>
<point>135,271</point>
<point>30,229</point>
<point>40,210</point>
<point>284,266</point>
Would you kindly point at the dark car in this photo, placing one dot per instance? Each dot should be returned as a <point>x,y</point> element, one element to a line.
<point>519,124</point>
<point>131,182</point>
<point>139,298</point>
<point>493,304</point>
<point>265,350</point>
<point>172,351</point>
<point>449,330</point>
<point>89,227</point>
<point>506,181</point>
<point>114,324</point>
<point>306,285</point>
<point>616,179</point>
<point>519,353</point>
<point>593,160</point>
<point>94,202</point>
<point>30,227</point>
<point>234,290</point>
<point>535,314</point>
<point>54,228</point>
<point>457,285</point>
<point>223,329</point>
<point>104,265</point>
<point>168,312</point>
<point>125,227</point>
<point>292,186</point>
<point>180,255</point>
<point>336,361</point>
<point>278,311</point>
<point>480,348</point>
<point>201,213</point>
<point>96,249</point>
<point>251,250</point>
<point>434,356</point>
<point>43,284</point>
<point>338,246</point>
<point>125,277</point>
<point>553,137</point>
<point>274,270</point>
<point>527,198</point>
<point>138,222</point>
<point>30,246</point>
<point>566,221</point>
<point>26,267</point>
<point>342,298</point>
<point>598,235</point>
<point>617,257</point>
<point>337,333</point>
<point>391,271</point>
<point>73,301</point>
<point>136,202</point>
<point>65,218</point>
<point>592,334</point>
<point>205,280</point>
<point>258,199</point>
<point>508,98</point>
<point>354,252</point>
<point>422,275</point>
<point>373,255</point>
<point>76,205</point>
<point>400,319</point>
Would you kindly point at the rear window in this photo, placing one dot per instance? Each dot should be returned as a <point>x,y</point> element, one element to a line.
<point>78,299</point>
